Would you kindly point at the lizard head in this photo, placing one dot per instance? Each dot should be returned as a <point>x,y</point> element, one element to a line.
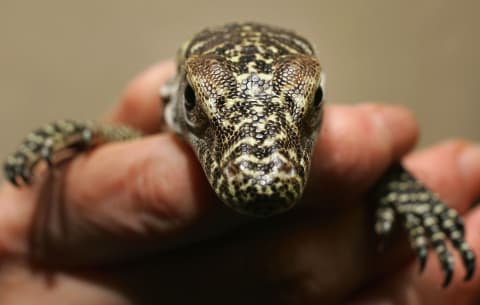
<point>252,120</point>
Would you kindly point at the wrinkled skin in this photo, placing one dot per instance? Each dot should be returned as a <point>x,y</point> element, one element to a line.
<point>108,207</point>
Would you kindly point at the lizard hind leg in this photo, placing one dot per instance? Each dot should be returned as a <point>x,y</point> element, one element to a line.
<point>427,220</point>
<point>58,141</point>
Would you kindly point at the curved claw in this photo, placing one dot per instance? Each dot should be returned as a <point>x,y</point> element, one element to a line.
<point>25,176</point>
<point>470,266</point>
<point>10,175</point>
<point>422,255</point>
<point>446,260</point>
<point>47,154</point>
<point>448,276</point>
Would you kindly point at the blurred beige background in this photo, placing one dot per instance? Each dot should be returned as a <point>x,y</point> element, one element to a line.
<point>71,59</point>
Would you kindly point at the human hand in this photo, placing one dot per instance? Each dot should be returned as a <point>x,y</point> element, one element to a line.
<point>137,223</point>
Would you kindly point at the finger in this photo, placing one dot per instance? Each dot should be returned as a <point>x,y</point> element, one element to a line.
<point>457,180</point>
<point>356,146</point>
<point>460,292</point>
<point>408,287</point>
<point>153,190</point>
<point>316,262</point>
<point>166,180</point>
<point>452,169</point>
<point>459,187</point>
<point>140,105</point>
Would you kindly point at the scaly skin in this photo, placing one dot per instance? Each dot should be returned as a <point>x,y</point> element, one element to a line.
<point>248,98</point>
<point>254,118</point>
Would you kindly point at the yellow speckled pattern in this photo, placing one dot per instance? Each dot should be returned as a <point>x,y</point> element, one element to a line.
<point>255,117</point>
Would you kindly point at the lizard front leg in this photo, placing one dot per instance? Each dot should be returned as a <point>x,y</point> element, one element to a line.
<point>428,221</point>
<point>60,140</point>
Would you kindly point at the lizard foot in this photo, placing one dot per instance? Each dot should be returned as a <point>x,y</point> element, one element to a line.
<point>428,221</point>
<point>49,143</point>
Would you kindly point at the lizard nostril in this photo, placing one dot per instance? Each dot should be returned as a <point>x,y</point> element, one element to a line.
<point>287,168</point>
<point>232,170</point>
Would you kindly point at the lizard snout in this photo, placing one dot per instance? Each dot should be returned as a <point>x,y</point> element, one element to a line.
<point>261,188</point>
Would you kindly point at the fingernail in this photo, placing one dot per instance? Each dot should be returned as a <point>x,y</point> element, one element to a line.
<point>470,163</point>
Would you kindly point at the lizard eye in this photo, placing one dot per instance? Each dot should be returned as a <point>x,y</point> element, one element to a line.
<point>189,98</point>
<point>317,99</point>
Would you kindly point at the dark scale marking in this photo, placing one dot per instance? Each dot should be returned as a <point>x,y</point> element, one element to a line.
<point>262,67</point>
<point>250,50</point>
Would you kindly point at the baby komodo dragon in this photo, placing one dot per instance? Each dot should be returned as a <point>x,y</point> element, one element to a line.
<point>248,98</point>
